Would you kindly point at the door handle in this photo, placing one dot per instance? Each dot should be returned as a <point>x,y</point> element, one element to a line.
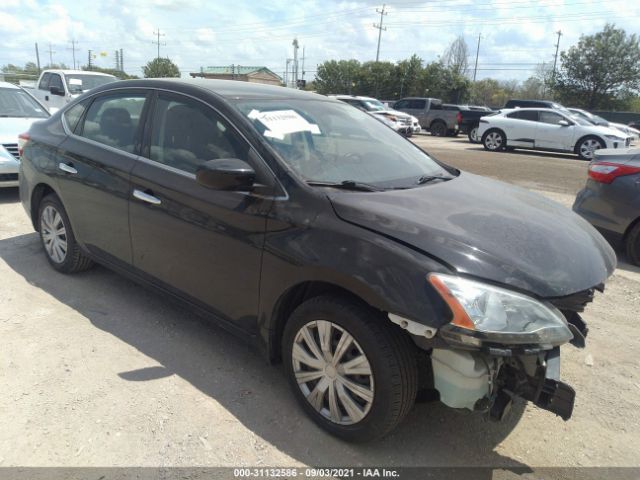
<point>67,168</point>
<point>46,97</point>
<point>145,197</point>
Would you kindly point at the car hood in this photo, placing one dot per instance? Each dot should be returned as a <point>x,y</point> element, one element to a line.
<point>601,130</point>
<point>11,127</point>
<point>488,229</point>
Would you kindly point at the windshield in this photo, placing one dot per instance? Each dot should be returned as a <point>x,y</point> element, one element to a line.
<point>18,103</point>
<point>581,120</point>
<point>374,105</point>
<point>333,142</point>
<point>78,83</point>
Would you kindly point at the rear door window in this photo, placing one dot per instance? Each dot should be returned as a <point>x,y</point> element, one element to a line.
<point>531,115</point>
<point>56,81</point>
<point>418,104</point>
<point>113,120</point>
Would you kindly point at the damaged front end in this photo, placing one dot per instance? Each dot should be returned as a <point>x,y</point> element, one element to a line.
<point>501,344</point>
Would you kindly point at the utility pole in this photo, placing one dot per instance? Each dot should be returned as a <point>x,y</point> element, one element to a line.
<point>475,69</point>
<point>37,57</point>
<point>73,51</point>
<point>51,52</point>
<point>555,58</point>
<point>303,63</point>
<point>380,29</point>
<point>121,61</point>
<point>157,42</point>
<point>117,59</point>
<point>295,63</point>
<point>90,61</point>
<point>286,77</point>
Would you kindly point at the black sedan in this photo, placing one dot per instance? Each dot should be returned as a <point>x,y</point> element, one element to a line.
<point>340,248</point>
<point>611,199</point>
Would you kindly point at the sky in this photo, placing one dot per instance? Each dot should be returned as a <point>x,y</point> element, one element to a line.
<point>516,35</point>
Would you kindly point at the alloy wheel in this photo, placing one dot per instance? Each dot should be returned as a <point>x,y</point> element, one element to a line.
<point>493,141</point>
<point>588,147</point>
<point>54,234</point>
<point>333,372</point>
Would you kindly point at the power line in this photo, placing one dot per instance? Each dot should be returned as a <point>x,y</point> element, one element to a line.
<point>51,52</point>
<point>73,51</point>
<point>475,70</point>
<point>380,29</point>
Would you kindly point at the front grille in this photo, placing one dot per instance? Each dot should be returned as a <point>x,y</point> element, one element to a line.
<point>12,148</point>
<point>8,177</point>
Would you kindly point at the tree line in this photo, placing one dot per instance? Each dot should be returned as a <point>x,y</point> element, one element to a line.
<point>602,71</point>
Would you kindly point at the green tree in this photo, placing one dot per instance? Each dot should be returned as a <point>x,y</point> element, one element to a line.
<point>161,68</point>
<point>598,68</point>
<point>408,75</point>
<point>337,76</point>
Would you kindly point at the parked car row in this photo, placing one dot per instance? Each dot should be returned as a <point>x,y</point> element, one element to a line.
<point>547,129</point>
<point>401,122</point>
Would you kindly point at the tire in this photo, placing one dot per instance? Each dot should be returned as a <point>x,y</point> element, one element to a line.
<point>452,133</point>
<point>438,128</point>
<point>58,241</point>
<point>387,378</point>
<point>587,145</point>
<point>473,134</point>
<point>494,140</point>
<point>632,245</point>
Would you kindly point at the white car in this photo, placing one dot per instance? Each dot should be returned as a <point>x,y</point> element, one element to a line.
<point>547,129</point>
<point>401,122</point>
<point>18,110</point>
<point>598,120</point>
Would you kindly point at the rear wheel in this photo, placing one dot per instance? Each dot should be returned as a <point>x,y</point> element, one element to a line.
<point>438,129</point>
<point>632,245</point>
<point>494,140</point>
<point>354,373</point>
<point>587,146</point>
<point>58,241</point>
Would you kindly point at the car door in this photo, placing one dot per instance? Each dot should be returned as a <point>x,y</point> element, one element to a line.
<point>415,107</point>
<point>94,163</point>
<point>521,128</point>
<point>202,243</point>
<point>42,90</point>
<point>56,100</point>
<point>551,134</point>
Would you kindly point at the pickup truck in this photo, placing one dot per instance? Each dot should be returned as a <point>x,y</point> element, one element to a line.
<point>431,114</point>
<point>56,88</point>
<point>469,119</point>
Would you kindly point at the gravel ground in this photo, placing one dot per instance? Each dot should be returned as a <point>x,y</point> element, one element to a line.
<point>97,371</point>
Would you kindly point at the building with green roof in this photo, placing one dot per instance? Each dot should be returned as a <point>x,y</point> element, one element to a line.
<point>241,73</point>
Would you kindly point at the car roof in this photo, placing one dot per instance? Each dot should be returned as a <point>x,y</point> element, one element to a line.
<point>229,89</point>
<point>78,72</point>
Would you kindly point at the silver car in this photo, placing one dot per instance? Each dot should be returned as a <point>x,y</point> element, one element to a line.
<point>610,201</point>
<point>18,110</point>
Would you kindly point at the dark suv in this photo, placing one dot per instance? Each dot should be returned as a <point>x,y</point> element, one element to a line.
<point>369,269</point>
<point>533,104</point>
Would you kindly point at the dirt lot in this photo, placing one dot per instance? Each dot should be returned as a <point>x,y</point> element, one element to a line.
<point>97,371</point>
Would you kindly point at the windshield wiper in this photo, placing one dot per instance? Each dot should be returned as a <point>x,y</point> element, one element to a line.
<point>347,185</point>
<point>430,178</point>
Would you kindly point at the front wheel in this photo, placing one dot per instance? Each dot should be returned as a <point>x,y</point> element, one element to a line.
<point>494,140</point>
<point>587,147</point>
<point>354,373</point>
<point>473,135</point>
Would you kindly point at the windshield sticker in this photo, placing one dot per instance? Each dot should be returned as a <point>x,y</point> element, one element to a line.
<point>283,122</point>
<point>75,81</point>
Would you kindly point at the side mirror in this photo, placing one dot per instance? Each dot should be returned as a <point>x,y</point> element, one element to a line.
<point>564,123</point>
<point>56,91</point>
<point>226,174</point>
